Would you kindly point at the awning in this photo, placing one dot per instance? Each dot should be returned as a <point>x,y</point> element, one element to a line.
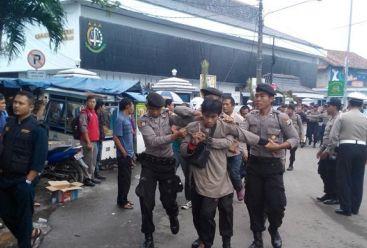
<point>17,83</point>
<point>135,96</point>
<point>100,86</point>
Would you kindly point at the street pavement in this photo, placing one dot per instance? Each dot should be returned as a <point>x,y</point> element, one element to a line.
<point>94,220</point>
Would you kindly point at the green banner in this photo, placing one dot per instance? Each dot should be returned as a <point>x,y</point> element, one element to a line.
<point>335,88</point>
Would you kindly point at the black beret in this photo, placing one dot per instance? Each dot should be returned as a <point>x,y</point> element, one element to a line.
<point>211,91</point>
<point>266,88</point>
<point>335,102</point>
<point>356,101</point>
<point>155,100</point>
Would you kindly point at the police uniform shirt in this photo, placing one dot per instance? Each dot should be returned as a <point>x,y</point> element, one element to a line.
<point>213,181</point>
<point>276,126</point>
<point>351,125</point>
<point>16,136</point>
<point>313,115</point>
<point>326,138</point>
<point>157,135</point>
<point>297,123</point>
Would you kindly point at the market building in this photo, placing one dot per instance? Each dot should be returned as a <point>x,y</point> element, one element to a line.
<point>145,40</point>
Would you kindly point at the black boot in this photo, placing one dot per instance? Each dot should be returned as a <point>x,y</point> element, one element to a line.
<point>276,240</point>
<point>226,242</point>
<point>258,240</point>
<point>148,242</point>
<point>290,168</point>
<point>174,224</point>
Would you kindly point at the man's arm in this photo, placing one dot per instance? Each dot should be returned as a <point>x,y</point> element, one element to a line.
<point>83,123</point>
<point>118,131</point>
<point>40,149</point>
<point>291,137</point>
<point>240,133</point>
<point>334,134</point>
<point>151,139</point>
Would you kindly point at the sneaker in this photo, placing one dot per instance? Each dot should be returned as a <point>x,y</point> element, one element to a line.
<point>89,183</point>
<point>187,205</point>
<point>241,194</point>
<point>96,181</point>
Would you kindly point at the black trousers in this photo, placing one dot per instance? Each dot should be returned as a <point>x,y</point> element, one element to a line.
<point>312,132</point>
<point>350,167</point>
<point>265,193</point>
<point>123,179</point>
<point>16,209</point>
<point>150,176</point>
<point>203,213</point>
<point>292,157</point>
<point>327,171</point>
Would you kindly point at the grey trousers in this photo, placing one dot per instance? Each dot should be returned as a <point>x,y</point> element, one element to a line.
<point>90,158</point>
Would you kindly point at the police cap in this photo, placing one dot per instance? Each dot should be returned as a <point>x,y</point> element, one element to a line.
<point>265,88</point>
<point>335,102</point>
<point>155,100</point>
<point>357,98</point>
<point>211,91</point>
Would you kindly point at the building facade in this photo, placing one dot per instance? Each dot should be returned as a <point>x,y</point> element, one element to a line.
<point>139,44</point>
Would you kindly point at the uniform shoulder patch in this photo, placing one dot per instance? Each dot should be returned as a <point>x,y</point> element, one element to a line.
<point>23,130</point>
<point>141,123</point>
<point>285,119</point>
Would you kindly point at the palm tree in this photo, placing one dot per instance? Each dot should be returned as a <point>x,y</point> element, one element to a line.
<point>15,15</point>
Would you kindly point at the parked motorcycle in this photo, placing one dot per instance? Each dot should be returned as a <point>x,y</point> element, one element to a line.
<point>65,163</point>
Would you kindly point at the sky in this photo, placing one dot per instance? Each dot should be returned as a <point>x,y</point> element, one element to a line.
<point>324,23</point>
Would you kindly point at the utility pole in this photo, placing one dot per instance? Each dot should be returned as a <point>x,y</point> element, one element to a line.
<point>259,63</point>
<point>347,55</point>
<point>272,61</point>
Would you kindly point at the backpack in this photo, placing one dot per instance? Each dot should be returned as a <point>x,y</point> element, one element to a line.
<point>75,128</point>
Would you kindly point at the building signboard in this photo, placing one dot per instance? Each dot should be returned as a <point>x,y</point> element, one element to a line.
<point>36,74</point>
<point>335,88</point>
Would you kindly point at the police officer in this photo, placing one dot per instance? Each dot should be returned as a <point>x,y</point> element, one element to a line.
<point>327,162</point>
<point>350,132</point>
<point>313,117</point>
<point>158,166</point>
<point>22,160</point>
<point>297,123</point>
<point>265,193</point>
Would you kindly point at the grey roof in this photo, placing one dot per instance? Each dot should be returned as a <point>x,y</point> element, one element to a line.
<point>288,83</point>
<point>223,18</point>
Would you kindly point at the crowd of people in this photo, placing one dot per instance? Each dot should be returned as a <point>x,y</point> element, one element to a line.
<point>221,153</point>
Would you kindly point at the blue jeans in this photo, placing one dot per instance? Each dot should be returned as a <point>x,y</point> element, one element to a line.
<point>99,153</point>
<point>234,167</point>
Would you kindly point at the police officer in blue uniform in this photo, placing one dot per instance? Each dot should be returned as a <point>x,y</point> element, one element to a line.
<point>23,155</point>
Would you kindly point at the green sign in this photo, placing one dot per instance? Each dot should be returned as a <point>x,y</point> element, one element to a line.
<point>335,88</point>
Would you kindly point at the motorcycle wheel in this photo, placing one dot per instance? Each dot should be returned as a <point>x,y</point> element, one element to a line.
<point>71,171</point>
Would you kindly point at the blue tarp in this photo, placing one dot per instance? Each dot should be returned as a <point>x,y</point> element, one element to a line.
<point>136,96</point>
<point>99,86</point>
<point>18,83</point>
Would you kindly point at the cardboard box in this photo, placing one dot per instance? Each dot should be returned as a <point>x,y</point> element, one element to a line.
<point>63,191</point>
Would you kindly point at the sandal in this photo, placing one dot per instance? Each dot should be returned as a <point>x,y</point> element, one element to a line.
<point>127,206</point>
<point>131,203</point>
<point>36,236</point>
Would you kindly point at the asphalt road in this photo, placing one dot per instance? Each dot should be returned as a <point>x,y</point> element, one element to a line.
<point>95,221</point>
